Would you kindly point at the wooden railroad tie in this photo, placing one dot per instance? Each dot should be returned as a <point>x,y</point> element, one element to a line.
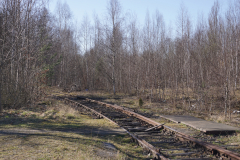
<point>155,127</point>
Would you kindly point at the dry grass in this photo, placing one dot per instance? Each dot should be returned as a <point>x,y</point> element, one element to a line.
<point>52,130</point>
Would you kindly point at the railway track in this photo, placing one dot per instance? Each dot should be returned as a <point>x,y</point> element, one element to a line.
<point>161,141</point>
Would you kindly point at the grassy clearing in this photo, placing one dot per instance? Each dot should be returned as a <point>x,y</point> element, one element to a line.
<point>52,130</point>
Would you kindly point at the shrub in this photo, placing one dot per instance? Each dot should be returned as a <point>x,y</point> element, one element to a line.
<point>140,102</point>
<point>70,116</point>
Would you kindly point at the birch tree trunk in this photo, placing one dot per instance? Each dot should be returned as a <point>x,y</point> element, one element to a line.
<point>1,107</point>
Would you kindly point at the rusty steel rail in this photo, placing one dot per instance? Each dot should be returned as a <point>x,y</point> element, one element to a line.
<point>216,150</point>
<point>130,113</point>
<point>140,141</point>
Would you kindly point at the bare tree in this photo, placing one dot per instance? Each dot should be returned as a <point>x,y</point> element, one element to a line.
<point>114,34</point>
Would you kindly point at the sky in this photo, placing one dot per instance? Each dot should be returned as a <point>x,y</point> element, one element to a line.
<point>168,8</point>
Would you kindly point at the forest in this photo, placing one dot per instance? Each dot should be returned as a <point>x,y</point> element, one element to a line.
<point>113,53</point>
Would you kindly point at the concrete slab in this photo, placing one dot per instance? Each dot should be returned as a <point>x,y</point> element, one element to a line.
<point>202,125</point>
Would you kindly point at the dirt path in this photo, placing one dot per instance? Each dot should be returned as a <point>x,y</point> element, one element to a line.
<point>87,131</point>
